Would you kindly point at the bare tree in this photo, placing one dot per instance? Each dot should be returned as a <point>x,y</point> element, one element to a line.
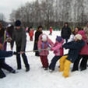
<point>2,17</point>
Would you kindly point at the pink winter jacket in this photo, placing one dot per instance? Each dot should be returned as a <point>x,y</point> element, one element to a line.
<point>84,50</point>
<point>58,49</point>
<point>44,45</point>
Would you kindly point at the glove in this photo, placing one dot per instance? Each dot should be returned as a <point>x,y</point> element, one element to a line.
<point>15,53</point>
<point>39,50</point>
<point>48,48</point>
<point>9,39</point>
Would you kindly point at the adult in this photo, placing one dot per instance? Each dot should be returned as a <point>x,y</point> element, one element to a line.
<point>66,32</point>
<point>37,34</point>
<point>4,54</point>
<point>9,31</point>
<point>50,29</point>
<point>3,64</point>
<point>86,30</point>
<point>83,55</point>
<point>19,36</point>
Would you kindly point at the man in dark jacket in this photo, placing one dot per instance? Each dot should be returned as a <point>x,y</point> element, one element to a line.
<point>19,36</point>
<point>66,32</point>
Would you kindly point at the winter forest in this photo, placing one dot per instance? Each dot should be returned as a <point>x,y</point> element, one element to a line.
<point>52,12</point>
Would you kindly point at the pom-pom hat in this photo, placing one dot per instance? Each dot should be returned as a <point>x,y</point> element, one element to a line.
<point>44,38</point>
<point>78,36</point>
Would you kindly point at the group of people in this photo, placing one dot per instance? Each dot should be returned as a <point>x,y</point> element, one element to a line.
<point>17,35</point>
<point>42,45</point>
<point>77,46</point>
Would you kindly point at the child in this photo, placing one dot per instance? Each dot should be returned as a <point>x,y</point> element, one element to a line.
<point>31,33</point>
<point>43,45</point>
<point>58,51</point>
<point>51,29</point>
<point>3,65</point>
<point>74,49</point>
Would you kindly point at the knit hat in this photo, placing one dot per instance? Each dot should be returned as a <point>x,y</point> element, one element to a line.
<point>59,38</point>
<point>17,23</point>
<point>44,38</point>
<point>78,36</point>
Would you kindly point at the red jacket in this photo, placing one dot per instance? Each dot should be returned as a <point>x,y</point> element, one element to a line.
<point>51,30</point>
<point>84,50</point>
<point>31,32</point>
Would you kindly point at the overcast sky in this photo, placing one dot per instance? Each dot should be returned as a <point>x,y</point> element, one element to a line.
<point>6,6</point>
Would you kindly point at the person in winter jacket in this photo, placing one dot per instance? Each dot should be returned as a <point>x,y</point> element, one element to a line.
<point>3,65</point>
<point>44,44</point>
<point>31,33</point>
<point>50,29</point>
<point>86,30</point>
<point>19,36</point>
<point>58,51</point>
<point>37,34</point>
<point>81,62</point>
<point>3,44</point>
<point>66,32</point>
<point>9,33</point>
<point>3,36</point>
<point>74,49</point>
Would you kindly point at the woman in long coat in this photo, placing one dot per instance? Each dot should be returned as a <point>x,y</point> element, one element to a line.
<point>37,34</point>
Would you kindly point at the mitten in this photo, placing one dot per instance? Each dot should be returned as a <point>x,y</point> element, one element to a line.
<point>15,53</point>
<point>39,50</point>
<point>48,48</point>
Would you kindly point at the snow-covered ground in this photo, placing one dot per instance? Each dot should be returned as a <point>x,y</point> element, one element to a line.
<point>37,77</point>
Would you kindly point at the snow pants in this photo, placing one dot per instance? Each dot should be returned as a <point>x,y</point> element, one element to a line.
<point>53,62</point>
<point>65,66</point>
<point>44,61</point>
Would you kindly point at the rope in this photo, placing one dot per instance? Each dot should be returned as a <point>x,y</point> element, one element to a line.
<point>33,50</point>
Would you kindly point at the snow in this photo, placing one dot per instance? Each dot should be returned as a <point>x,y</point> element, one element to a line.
<point>37,77</point>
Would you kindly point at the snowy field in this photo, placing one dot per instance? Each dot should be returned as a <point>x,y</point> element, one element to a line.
<point>37,77</point>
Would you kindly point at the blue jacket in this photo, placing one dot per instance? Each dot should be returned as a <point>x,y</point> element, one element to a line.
<point>4,54</point>
<point>74,49</point>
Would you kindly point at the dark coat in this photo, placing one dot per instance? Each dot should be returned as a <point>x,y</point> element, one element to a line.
<point>3,38</point>
<point>2,35</point>
<point>37,34</point>
<point>4,54</point>
<point>74,49</point>
<point>65,32</point>
<point>10,31</point>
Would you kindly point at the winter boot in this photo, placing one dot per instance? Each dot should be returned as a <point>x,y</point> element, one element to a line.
<point>2,75</point>
<point>27,68</point>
